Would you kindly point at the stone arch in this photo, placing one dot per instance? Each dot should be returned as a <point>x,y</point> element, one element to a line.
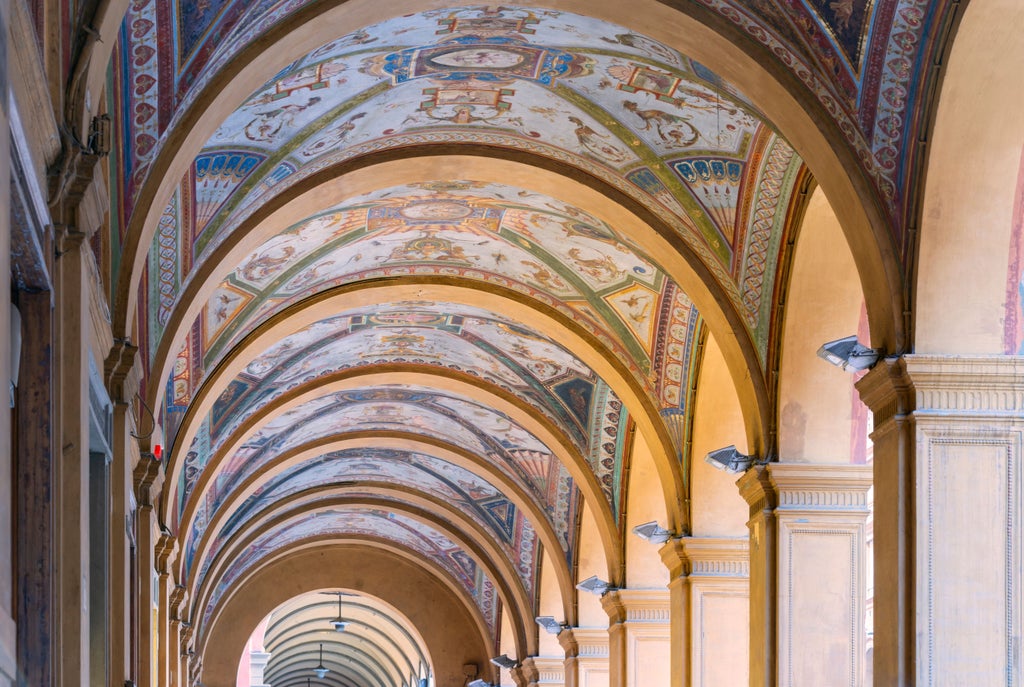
<point>452,633</point>
<point>412,442</point>
<point>445,520</point>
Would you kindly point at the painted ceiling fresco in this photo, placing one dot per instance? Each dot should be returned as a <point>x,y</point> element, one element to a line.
<point>470,340</point>
<point>860,59</point>
<point>446,418</point>
<point>372,523</point>
<point>472,495</point>
<point>629,111</point>
<point>553,252</point>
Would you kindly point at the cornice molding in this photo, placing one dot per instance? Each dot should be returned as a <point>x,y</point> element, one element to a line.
<point>989,386</point>
<point>799,485</point>
<point>707,557</point>
<point>756,490</point>
<point>549,670</point>
<point>637,605</point>
<point>591,642</point>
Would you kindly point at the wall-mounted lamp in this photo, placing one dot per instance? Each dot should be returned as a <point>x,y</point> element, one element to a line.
<point>729,460</point>
<point>849,354</point>
<point>653,532</point>
<point>550,625</point>
<point>505,662</point>
<point>594,585</point>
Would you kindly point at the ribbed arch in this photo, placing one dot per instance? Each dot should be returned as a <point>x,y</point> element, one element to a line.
<point>406,442</point>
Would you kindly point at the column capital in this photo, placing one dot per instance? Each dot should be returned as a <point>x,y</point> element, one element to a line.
<point>707,556</point>
<point>165,549</point>
<point>526,673</point>
<point>549,670</point>
<point>567,639</point>
<point>637,605</point>
<point>802,486</point>
<point>590,642</point>
<point>975,385</point>
<point>756,490</point>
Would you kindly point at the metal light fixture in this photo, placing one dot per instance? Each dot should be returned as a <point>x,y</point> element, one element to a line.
<point>550,625</point>
<point>339,623</point>
<point>729,460</point>
<point>653,532</point>
<point>594,585</point>
<point>321,670</point>
<point>849,354</point>
<point>505,662</point>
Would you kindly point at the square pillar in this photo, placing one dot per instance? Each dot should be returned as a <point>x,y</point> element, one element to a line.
<point>808,533</point>
<point>710,610</point>
<point>589,668</point>
<point>548,671</point>
<point>949,432</point>
<point>639,636</point>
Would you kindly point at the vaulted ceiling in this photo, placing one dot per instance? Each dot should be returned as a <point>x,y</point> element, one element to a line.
<point>420,282</point>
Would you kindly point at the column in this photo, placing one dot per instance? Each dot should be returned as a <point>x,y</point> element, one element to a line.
<point>8,631</point>
<point>807,559</point>
<point>590,665</point>
<point>258,661</point>
<point>119,381</point>
<point>548,671</point>
<point>639,636</point>
<point>35,506</point>
<point>167,651</point>
<point>147,536</point>
<point>710,602</point>
<point>572,651</point>
<point>948,445</point>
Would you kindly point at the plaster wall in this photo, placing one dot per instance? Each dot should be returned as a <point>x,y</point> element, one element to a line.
<point>823,304</point>
<point>718,509</point>
<point>644,569</point>
<point>592,561</point>
<point>966,219</point>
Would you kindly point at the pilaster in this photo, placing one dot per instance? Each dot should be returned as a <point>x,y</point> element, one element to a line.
<point>567,639</point>
<point>822,520</point>
<point>948,443</point>
<point>639,636</point>
<point>550,671</point>
<point>758,492</point>
<point>807,541</point>
<point>258,661</point>
<point>591,659</point>
<point>709,591</point>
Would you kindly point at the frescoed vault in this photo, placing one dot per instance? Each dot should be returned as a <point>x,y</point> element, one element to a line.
<point>453,260</point>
